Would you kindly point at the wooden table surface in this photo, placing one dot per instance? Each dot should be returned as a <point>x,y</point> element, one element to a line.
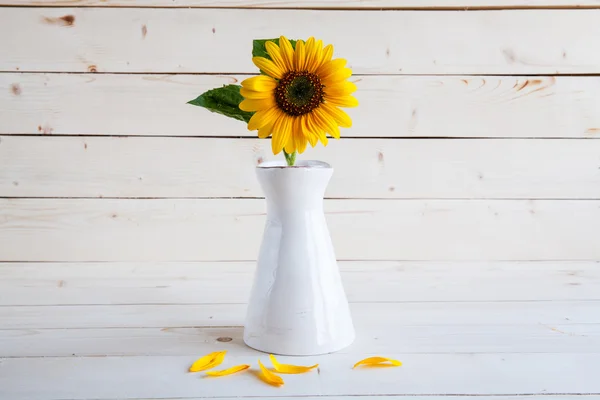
<point>503,330</point>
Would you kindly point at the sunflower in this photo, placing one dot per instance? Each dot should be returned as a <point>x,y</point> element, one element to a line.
<point>298,99</point>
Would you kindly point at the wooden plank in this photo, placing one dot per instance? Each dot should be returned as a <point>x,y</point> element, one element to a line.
<point>208,230</point>
<point>229,282</point>
<point>549,313</point>
<point>409,42</point>
<point>422,374</point>
<point>437,397</point>
<point>313,4</point>
<point>370,168</point>
<point>390,106</point>
<point>401,397</point>
<point>384,337</point>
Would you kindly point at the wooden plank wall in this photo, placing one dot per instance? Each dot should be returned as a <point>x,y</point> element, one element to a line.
<point>476,138</point>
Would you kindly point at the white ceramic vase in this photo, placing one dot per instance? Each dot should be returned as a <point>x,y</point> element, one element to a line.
<point>297,305</point>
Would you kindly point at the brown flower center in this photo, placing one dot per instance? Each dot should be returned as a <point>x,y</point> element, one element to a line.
<point>299,92</point>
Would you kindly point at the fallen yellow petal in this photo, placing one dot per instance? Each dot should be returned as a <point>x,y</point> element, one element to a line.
<point>289,369</point>
<point>377,360</point>
<point>269,377</point>
<point>228,371</point>
<point>208,361</point>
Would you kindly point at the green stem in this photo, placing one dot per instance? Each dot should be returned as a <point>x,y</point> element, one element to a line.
<point>290,158</point>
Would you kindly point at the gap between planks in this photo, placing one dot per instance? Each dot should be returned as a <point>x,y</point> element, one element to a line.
<point>301,5</point>
<point>430,396</point>
<point>426,396</point>
<point>574,74</point>
<point>262,198</point>
<point>112,135</point>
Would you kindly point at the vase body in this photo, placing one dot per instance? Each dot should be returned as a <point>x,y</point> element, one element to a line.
<point>297,304</point>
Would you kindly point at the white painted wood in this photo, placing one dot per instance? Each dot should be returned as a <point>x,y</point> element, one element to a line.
<point>421,374</point>
<point>401,397</point>
<point>411,42</point>
<point>382,337</point>
<point>509,313</point>
<point>229,282</point>
<point>316,4</point>
<point>390,106</point>
<point>207,230</point>
<point>369,168</point>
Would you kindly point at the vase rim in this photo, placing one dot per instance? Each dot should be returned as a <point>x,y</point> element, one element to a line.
<point>309,164</point>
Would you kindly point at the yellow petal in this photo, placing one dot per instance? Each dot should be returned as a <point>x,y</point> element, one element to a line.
<point>257,104</point>
<point>290,369</point>
<point>270,377</point>
<point>253,94</point>
<point>299,56</point>
<point>228,371</point>
<point>330,67</point>
<point>323,138</point>
<point>282,130</point>
<point>290,146</point>
<point>208,361</point>
<point>340,116</point>
<point>327,54</point>
<point>262,118</point>
<point>336,77</point>
<point>268,67</point>
<point>259,83</point>
<point>377,361</point>
<point>309,51</point>
<point>342,101</point>
<point>327,122</point>
<point>299,135</point>
<point>316,128</point>
<point>319,122</point>
<point>315,60</point>
<point>266,130</point>
<point>342,88</point>
<point>287,52</point>
<point>216,362</point>
<point>312,137</point>
<point>275,55</point>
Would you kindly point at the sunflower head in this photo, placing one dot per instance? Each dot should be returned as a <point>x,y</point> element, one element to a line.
<point>297,100</point>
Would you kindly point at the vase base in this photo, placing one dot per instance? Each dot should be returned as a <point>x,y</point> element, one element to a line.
<point>284,349</point>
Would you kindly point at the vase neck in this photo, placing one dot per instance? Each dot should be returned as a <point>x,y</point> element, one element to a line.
<point>299,188</point>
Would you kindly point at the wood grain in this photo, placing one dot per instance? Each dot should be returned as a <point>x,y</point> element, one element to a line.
<point>382,338</point>
<point>410,42</point>
<point>314,4</point>
<point>208,230</point>
<point>401,397</point>
<point>375,168</point>
<point>229,282</point>
<point>390,106</point>
<point>439,314</point>
<point>422,374</point>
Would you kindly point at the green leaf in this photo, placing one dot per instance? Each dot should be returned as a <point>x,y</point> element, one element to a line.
<point>259,49</point>
<point>225,100</point>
